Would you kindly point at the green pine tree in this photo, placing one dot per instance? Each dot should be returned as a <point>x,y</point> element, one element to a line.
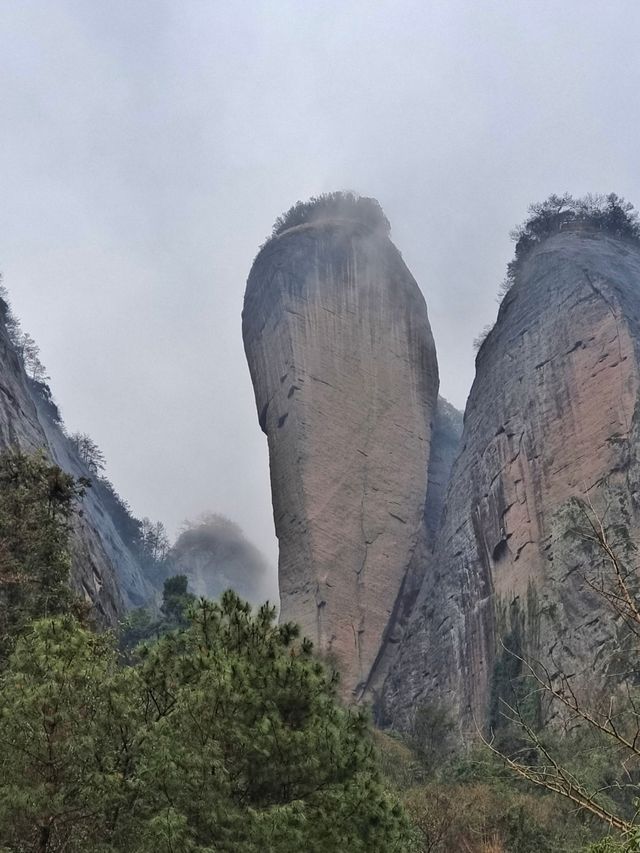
<point>37,503</point>
<point>226,736</point>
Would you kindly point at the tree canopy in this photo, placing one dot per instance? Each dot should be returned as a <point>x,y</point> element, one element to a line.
<point>609,213</point>
<point>37,502</point>
<point>336,205</point>
<point>226,736</point>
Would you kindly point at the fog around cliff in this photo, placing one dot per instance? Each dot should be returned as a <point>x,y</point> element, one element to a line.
<point>215,555</point>
<point>149,147</point>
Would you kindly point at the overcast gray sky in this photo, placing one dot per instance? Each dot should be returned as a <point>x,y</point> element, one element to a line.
<point>148,145</point>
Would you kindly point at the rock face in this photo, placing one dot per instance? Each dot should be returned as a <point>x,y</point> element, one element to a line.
<point>445,444</point>
<point>345,377</point>
<point>104,571</point>
<point>552,417</point>
<point>215,556</point>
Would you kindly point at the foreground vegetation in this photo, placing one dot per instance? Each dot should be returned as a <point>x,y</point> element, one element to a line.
<point>223,734</point>
<point>472,803</point>
<point>208,727</point>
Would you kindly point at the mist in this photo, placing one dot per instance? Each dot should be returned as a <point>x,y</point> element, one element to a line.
<point>148,147</point>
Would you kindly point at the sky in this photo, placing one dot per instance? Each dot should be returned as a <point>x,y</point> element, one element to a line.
<point>146,148</point>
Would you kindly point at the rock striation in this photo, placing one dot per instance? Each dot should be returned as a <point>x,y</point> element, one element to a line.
<point>104,571</point>
<point>552,420</point>
<point>344,371</point>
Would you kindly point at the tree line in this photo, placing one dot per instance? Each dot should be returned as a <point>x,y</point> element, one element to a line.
<point>223,733</point>
<point>609,213</point>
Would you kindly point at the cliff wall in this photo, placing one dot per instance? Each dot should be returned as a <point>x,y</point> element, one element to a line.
<point>445,445</point>
<point>104,571</point>
<point>552,417</point>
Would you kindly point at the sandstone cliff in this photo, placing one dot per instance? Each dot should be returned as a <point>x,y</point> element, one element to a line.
<point>552,416</point>
<point>104,571</point>
<point>345,377</point>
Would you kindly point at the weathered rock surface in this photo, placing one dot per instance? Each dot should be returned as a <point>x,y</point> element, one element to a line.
<point>215,556</point>
<point>104,570</point>
<point>345,377</point>
<point>552,416</point>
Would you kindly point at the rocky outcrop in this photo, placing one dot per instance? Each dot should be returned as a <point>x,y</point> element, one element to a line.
<point>104,571</point>
<point>345,377</point>
<point>215,556</point>
<point>552,419</point>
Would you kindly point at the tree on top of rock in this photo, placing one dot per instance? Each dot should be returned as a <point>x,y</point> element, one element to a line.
<point>609,213</point>
<point>336,205</point>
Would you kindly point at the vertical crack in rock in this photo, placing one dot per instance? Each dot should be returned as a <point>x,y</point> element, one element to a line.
<point>360,580</point>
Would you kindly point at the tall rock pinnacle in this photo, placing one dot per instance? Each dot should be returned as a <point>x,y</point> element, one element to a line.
<point>551,421</point>
<point>346,381</point>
